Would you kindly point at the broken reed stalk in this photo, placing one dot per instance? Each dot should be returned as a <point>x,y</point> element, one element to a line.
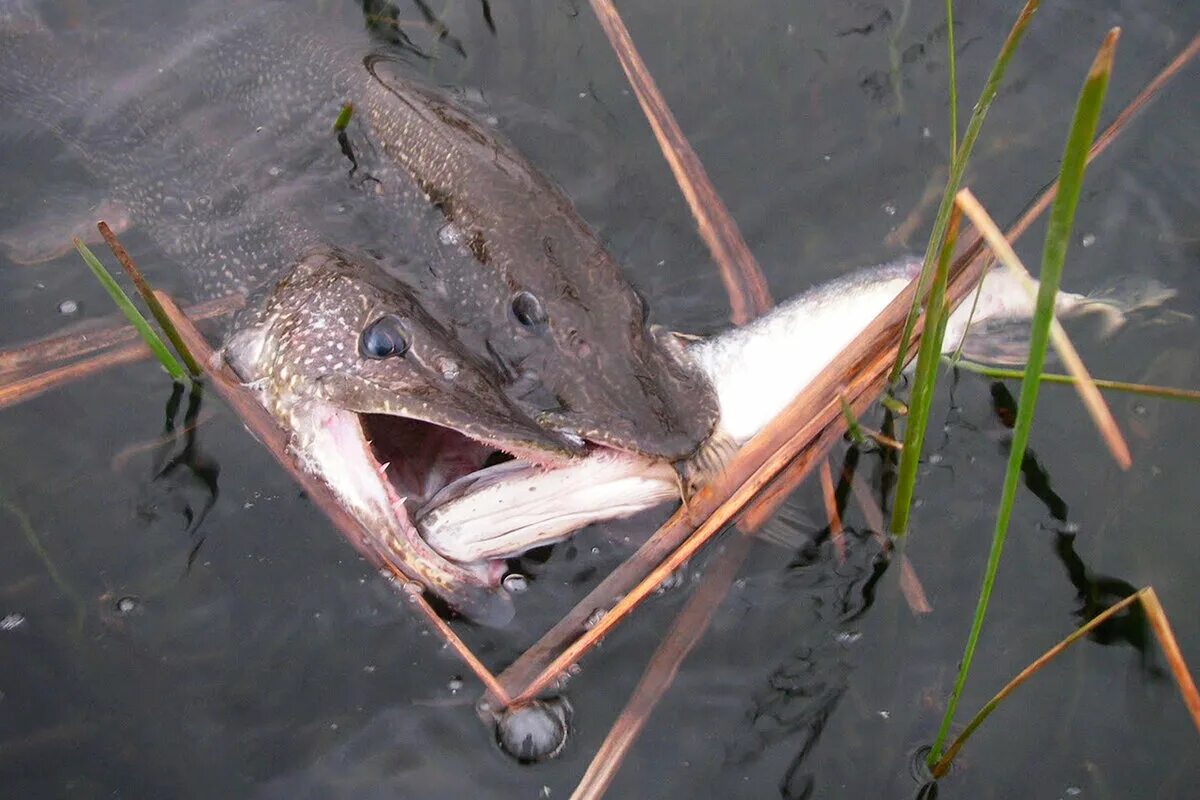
<point>744,281</point>
<point>78,341</point>
<point>1166,639</point>
<point>1098,410</point>
<point>1054,251</point>
<point>263,428</point>
<point>147,294</point>
<point>687,629</point>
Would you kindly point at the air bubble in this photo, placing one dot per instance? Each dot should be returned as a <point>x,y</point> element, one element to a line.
<point>515,583</point>
<point>67,307</point>
<point>535,732</point>
<point>127,605</point>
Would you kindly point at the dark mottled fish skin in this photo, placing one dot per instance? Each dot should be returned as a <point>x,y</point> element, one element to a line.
<point>300,351</point>
<point>219,142</point>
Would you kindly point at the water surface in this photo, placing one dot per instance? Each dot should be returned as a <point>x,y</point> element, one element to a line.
<point>182,623</point>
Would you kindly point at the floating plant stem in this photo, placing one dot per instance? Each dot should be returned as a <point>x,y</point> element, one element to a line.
<point>1162,392</point>
<point>958,164</point>
<point>160,351</point>
<point>1058,234</point>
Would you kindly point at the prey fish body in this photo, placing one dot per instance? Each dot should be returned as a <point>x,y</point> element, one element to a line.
<point>756,370</point>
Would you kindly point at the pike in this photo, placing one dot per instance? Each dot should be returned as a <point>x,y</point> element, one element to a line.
<point>421,296</point>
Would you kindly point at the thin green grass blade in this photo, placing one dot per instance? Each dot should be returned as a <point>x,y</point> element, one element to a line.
<point>958,165</point>
<point>1145,390</point>
<point>1058,235</point>
<point>953,74</point>
<point>160,351</point>
<point>923,382</point>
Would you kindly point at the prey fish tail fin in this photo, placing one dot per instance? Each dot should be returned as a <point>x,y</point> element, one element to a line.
<point>1115,302</point>
<point>998,331</point>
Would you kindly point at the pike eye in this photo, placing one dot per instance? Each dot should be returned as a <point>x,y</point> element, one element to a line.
<point>528,310</point>
<point>383,338</point>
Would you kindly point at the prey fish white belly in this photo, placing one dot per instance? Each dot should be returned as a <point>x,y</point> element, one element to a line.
<point>756,371</point>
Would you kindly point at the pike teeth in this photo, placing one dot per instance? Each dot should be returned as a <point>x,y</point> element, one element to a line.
<point>383,468</point>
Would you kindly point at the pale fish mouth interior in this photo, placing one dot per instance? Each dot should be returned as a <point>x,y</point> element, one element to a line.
<point>511,507</point>
<point>473,502</point>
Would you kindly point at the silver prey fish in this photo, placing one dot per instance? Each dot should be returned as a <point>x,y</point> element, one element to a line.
<point>424,300</point>
<point>214,131</point>
<point>757,370</point>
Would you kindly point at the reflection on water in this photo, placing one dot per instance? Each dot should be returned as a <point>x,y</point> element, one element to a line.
<point>181,623</point>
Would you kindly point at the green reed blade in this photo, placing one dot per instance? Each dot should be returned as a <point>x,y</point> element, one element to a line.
<point>953,76</point>
<point>958,165</point>
<point>160,351</point>
<point>923,382</point>
<point>1058,236</point>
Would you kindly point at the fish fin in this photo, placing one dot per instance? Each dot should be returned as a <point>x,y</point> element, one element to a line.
<point>999,342</point>
<point>48,235</point>
<point>1004,341</point>
<point>708,461</point>
<point>1117,301</point>
<point>790,529</point>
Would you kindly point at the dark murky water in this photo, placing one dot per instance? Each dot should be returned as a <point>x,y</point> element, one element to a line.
<point>178,622</point>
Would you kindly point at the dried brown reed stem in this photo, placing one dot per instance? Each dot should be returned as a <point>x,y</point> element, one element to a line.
<point>744,281</point>
<point>1166,638</point>
<point>80,341</point>
<point>272,437</point>
<point>22,388</point>
<point>685,632</point>
<point>831,509</point>
<point>1092,399</point>
<point>910,584</point>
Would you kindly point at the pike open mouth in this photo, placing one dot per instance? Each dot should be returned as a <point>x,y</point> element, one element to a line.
<point>385,468</point>
<point>456,507</point>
